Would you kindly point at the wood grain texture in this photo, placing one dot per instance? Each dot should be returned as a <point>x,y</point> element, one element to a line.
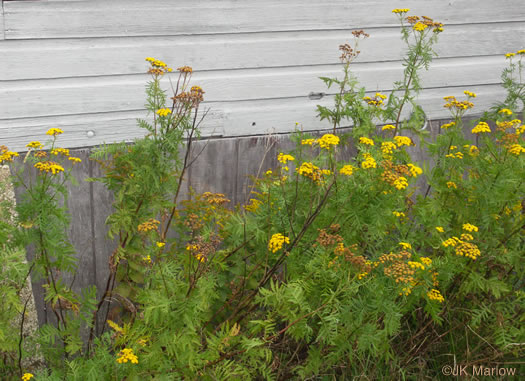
<point>2,27</point>
<point>226,119</point>
<point>35,19</point>
<point>35,59</point>
<point>126,93</point>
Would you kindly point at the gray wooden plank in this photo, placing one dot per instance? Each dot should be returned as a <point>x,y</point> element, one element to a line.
<point>36,59</point>
<point>54,97</point>
<point>215,168</point>
<point>101,204</point>
<point>2,27</point>
<point>51,19</point>
<point>226,119</point>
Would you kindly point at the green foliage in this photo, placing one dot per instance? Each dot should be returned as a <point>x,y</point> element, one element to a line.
<point>376,266</point>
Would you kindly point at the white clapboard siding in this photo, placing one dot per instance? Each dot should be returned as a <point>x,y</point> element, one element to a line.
<point>19,99</point>
<point>36,19</point>
<point>224,118</point>
<point>33,59</point>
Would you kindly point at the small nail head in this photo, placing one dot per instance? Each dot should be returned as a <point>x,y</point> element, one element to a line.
<point>90,134</point>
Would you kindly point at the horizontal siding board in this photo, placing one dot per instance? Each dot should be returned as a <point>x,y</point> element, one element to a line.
<point>35,59</point>
<point>227,119</point>
<point>35,19</point>
<point>2,28</point>
<point>55,97</point>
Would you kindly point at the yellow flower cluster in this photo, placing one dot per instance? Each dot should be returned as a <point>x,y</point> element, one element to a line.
<point>401,183</point>
<point>467,249</point>
<point>34,144</point>
<point>54,131</point>
<point>362,275</point>
<point>516,149</point>
<point>521,51</point>
<point>74,159</point>
<point>308,142</point>
<point>161,244</point>
<point>426,261</point>
<point>419,27</point>
<point>277,241</point>
<point>403,141</point>
<point>451,242</point>
<point>313,172</point>
<point>406,291</point>
<point>505,111</point>
<point>481,127</point>
<point>416,265</point>
<point>365,140</point>
<point>49,166</point>
<point>440,229</point>
<point>510,55</point>
<point>405,245</point>
<point>282,158</point>
<point>185,69</point>
<point>253,205</point>
<point>470,228</point>
<point>435,295</point>
<point>448,125</point>
<point>469,94</point>
<point>369,161</point>
<point>148,225</point>
<point>158,66</point>
<point>60,151</point>
<point>400,10</point>
<point>399,214</point>
<point>347,170</point>
<point>414,170</point>
<point>6,155</point>
<point>147,259</point>
<point>388,148</point>
<point>472,149</point>
<point>377,100</point>
<point>457,155</point>
<point>126,355</point>
<point>327,141</point>
<point>451,184</point>
<point>452,102</point>
<point>388,127</point>
<point>27,376</point>
<point>163,112</point>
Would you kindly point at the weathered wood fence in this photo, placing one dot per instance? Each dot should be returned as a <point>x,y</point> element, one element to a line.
<point>221,165</point>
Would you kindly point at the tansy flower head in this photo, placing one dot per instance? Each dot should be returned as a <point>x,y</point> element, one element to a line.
<point>469,94</point>
<point>521,51</point>
<point>49,166</point>
<point>516,149</point>
<point>54,131</point>
<point>435,295</point>
<point>126,355</point>
<point>505,111</point>
<point>403,141</point>
<point>509,55</point>
<point>405,245</point>
<point>415,171</point>
<point>365,140</point>
<point>282,158</point>
<point>327,141</point>
<point>400,10</point>
<point>470,228</point>
<point>401,183</point>
<point>419,27</point>
<point>74,159</point>
<point>481,127</point>
<point>60,151</point>
<point>307,142</point>
<point>27,376</point>
<point>163,112</point>
<point>440,229</point>
<point>347,170</point>
<point>451,184</point>
<point>161,244</point>
<point>369,162</point>
<point>277,241</point>
<point>35,145</point>
<point>448,125</point>
<point>388,127</point>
